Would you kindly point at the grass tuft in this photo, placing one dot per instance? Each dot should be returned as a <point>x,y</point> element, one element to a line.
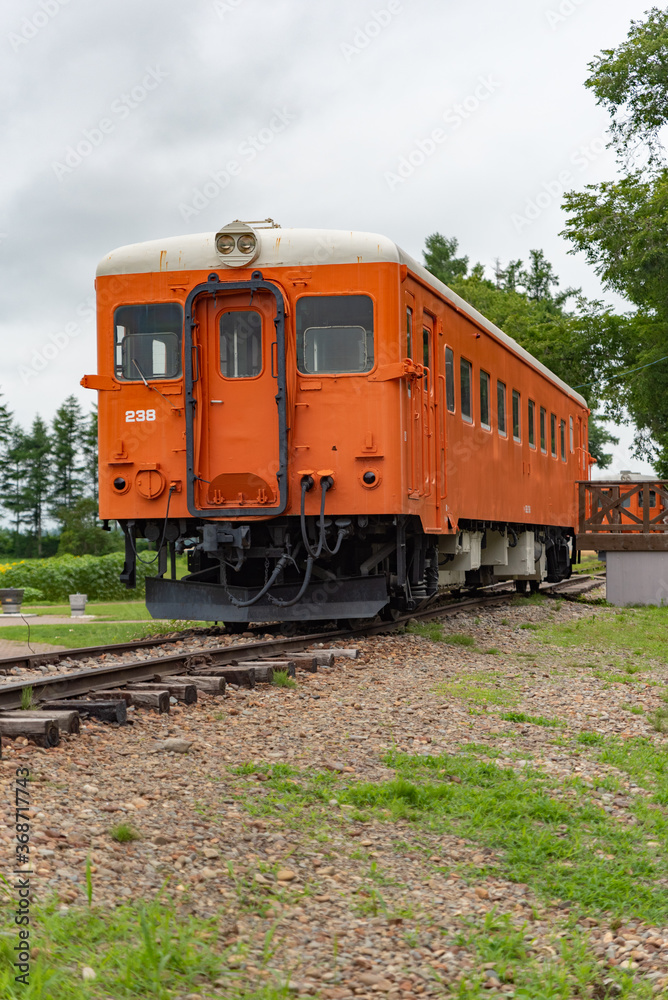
<point>123,833</point>
<point>282,679</point>
<point>27,702</point>
<point>536,720</point>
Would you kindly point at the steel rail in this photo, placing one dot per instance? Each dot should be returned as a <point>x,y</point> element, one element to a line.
<point>115,675</point>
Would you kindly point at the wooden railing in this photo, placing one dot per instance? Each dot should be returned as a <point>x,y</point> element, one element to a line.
<point>622,515</point>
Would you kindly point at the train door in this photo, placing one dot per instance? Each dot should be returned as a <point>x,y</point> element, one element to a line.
<point>428,404</point>
<point>236,391</point>
<point>413,402</point>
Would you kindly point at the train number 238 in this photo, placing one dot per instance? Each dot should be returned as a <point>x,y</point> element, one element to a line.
<point>138,416</point>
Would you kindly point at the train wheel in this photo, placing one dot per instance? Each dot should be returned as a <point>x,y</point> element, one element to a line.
<point>521,586</point>
<point>534,586</point>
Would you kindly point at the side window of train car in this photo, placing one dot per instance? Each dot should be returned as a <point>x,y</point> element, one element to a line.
<point>501,408</point>
<point>465,380</point>
<point>409,332</point>
<point>531,425</point>
<point>652,498</point>
<point>543,430</point>
<point>517,430</point>
<point>553,434</point>
<point>147,341</point>
<point>485,417</point>
<point>334,334</point>
<point>562,439</point>
<point>240,344</point>
<point>570,434</point>
<point>450,379</point>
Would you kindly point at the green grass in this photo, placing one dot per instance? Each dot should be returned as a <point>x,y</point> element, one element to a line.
<point>536,720</point>
<point>136,951</point>
<point>113,611</point>
<point>477,689</point>
<point>281,678</point>
<point>571,971</point>
<point>642,760</point>
<point>27,702</point>
<point>434,632</point>
<point>124,833</point>
<point>552,835</point>
<point>640,632</point>
<point>555,836</point>
<point>590,564</point>
<point>76,636</point>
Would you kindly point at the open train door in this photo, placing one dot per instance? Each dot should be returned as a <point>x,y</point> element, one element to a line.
<point>236,428</point>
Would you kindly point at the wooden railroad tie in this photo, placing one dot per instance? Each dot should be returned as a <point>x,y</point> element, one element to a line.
<point>186,693</point>
<point>69,721</point>
<point>157,699</point>
<point>209,684</point>
<point>107,710</point>
<point>44,731</point>
<point>243,676</point>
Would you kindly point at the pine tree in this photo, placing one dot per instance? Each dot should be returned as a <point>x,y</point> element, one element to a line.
<point>36,478</point>
<point>89,454</point>
<point>67,484</point>
<point>12,477</point>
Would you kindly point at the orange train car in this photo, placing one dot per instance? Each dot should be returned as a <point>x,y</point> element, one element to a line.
<point>326,428</point>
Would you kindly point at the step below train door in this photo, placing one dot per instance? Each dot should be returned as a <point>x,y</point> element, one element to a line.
<point>236,400</point>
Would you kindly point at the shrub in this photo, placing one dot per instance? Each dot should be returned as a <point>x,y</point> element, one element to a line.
<point>58,577</point>
<point>32,595</point>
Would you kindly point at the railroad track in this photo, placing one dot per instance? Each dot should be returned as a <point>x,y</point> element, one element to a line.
<point>153,682</point>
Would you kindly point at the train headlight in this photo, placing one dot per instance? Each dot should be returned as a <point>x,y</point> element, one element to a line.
<point>247,243</point>
<point>225,243</point>
<point>237,244</point>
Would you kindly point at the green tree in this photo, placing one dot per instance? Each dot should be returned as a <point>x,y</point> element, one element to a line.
<point>621,226</point>
<point>37,478</point>
<point>13,477</point>
<point>67,429</point>
<point>440,259</point>
<point>89,454</point>
<point>82,533</point>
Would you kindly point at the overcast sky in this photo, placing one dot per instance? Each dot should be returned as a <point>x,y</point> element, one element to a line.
<point>401,117</point>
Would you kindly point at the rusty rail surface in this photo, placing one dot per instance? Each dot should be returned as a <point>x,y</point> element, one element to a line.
<point>618,515</point>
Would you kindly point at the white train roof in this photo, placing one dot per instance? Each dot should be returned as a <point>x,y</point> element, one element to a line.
<point>300,248</point>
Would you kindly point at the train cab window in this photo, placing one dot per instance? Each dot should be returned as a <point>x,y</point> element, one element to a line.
<point>652,498</point>
<point>334,334</point>
<point>570,434</point>
<point>465,380</point>
<point>485,419</point>
<point>517,431</point>
<point>147,341</point>
<point>409,332</point>
<point>562,439</point>
<point>240,344</point>
<point>543,430</point>
<point>626,501</point>
<point>553,434</point>
<point>531,425</point>
<point>501,408</point>
<point>450,379</point>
